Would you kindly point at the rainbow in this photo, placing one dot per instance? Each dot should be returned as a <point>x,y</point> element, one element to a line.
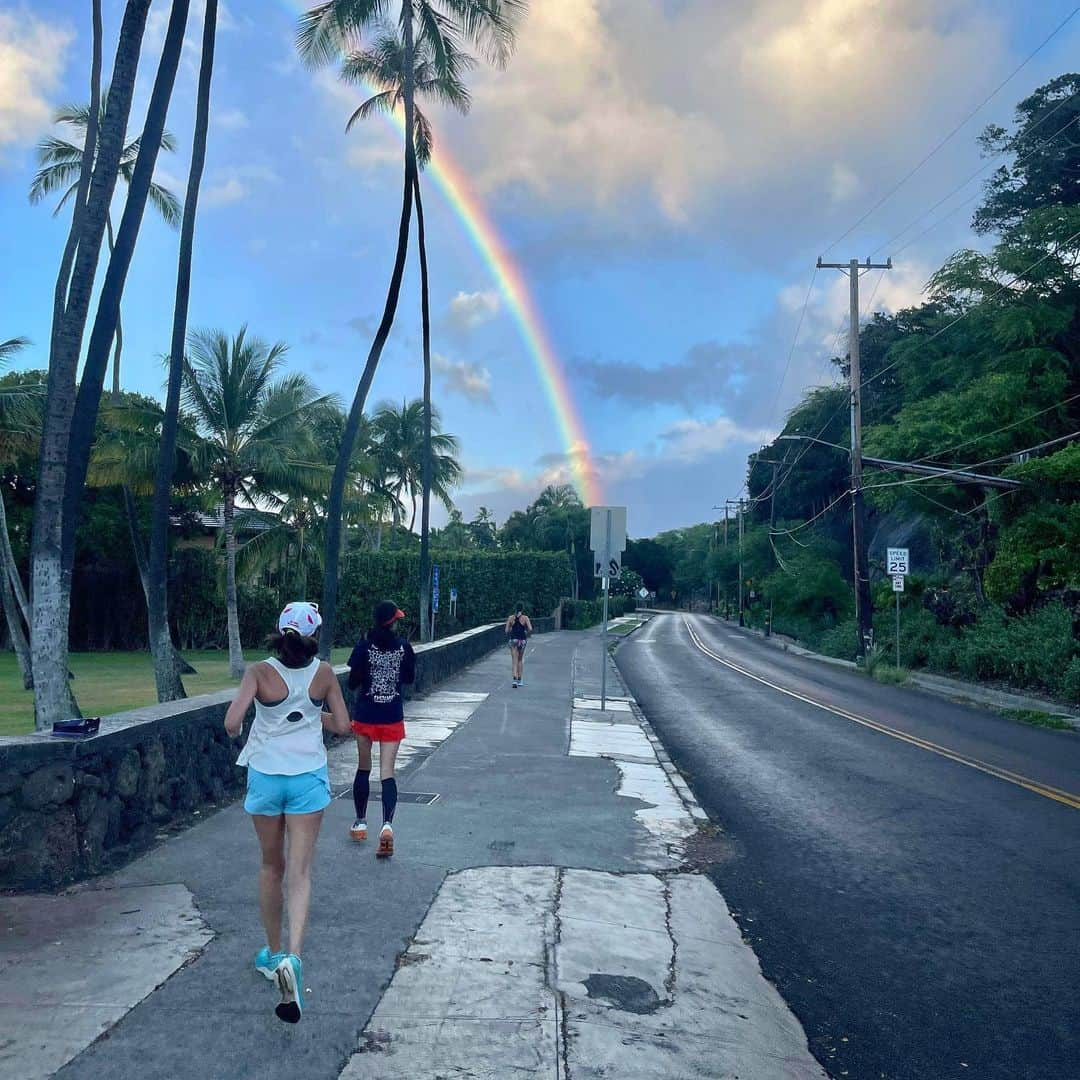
<point>452,181</point>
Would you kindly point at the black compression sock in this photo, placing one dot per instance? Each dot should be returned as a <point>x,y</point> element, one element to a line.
<point>361,787</point>
<point>389,799</point>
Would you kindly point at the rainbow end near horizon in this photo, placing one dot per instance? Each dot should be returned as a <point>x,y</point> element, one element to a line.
<point>452,182</point>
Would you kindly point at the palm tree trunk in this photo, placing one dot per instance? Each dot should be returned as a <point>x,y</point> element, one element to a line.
<point>86,168</point>
<point>168,688</point>
<point>236,655</point>
<point>88,399</point>
<point>14,611</point>
<point>11,570</point>
<point>51,594</point>
<point>426,469</point>
<point>111,241</point>
<point>352,425</point>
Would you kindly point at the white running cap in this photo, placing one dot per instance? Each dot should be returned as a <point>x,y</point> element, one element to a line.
<point>300,617</point>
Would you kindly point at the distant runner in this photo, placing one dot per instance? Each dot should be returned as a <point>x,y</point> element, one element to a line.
<point>287,784</point>
<point>519,628</point>
<point>378,666</point>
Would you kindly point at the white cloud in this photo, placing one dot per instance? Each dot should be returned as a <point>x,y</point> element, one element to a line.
<point>843,183</point>
<point>692,440</point>
<point>234,184</point>
<point>32,57</point>
<point>460,377</point>
<point>227,191</point>
<point>767,95</point>
<point>231,120</point>
<point>467,311</point>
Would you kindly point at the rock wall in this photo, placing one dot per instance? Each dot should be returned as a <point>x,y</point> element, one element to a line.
<point>71,808</point>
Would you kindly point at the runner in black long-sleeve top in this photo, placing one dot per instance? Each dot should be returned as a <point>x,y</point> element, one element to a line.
<point>378,666</point>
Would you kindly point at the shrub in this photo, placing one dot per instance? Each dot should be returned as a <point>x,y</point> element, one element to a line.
<point>581,614</point>
<point>196,599</point>
<point>489,586</point>
<point>1033,650</point>
<point>841,640</point>
<point>1070,681</point>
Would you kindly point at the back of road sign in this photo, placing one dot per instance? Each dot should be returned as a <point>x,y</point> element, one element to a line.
<point>607,539</point>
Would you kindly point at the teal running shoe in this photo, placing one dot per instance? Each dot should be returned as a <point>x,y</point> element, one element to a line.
<point>266,962</point>
<point>290,980</point>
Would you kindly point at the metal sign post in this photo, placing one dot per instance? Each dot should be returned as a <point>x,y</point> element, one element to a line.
<point>896,562</point>
<point>603,659</point>
<point>608,540</point>
<point>434,597</point>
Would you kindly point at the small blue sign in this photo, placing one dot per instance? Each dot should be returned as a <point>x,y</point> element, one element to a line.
<point>453,594</point>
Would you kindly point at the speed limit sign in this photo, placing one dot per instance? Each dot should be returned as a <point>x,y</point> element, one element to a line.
<point>896,561</point>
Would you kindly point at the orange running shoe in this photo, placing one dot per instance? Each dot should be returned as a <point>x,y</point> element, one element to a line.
<point>358,831</point>
<point>386,842</point>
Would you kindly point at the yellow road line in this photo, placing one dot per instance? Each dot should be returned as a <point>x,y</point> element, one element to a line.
<point>1045,790</point>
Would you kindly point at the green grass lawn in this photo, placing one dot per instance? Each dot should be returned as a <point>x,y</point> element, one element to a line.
<point>108,683</point>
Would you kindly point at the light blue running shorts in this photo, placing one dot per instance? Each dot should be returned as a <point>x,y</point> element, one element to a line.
<point>274,793</point>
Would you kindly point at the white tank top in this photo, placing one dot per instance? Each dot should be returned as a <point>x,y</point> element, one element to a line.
<point>286,738</point>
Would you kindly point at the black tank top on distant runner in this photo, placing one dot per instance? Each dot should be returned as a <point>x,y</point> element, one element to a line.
<point>517,631</point>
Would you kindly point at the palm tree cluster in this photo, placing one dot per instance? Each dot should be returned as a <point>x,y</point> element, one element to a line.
<point>232,419</point>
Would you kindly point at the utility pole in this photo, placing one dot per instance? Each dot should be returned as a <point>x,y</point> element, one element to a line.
<point>740,513</point>
<point>864,612</point>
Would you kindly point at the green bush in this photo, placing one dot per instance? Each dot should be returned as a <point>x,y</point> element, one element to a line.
<point>1070,681</point>
<point>257,608</point>
<point>1033,650</point>
<point>581,614</point>
<point>196,599</point>
<point>841,640</point>
<point>489,585</point>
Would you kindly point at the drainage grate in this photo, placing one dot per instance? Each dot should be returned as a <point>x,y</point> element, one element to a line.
<point>419,798</point>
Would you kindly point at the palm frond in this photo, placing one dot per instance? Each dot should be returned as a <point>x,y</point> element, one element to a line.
<point>384,102</point>
<point>331,28</point>
<point>490,25</point>
<point>166,204</point>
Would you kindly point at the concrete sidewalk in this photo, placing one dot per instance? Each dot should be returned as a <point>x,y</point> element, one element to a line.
<point>541,917</point>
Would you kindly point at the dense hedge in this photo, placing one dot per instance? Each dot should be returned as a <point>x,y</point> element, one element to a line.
<point>489,585</point>
<point>581,614</point>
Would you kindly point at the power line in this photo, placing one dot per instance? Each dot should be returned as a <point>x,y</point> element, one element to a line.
<point>945,473</point>
<point>978,194</point>
<point>933,336</point>
<point>941,143</point>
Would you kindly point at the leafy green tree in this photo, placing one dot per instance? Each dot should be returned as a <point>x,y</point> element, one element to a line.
<point>256,433</point>
<point>483,529</point>
<point>1045,147</point>
<point>398,435</point>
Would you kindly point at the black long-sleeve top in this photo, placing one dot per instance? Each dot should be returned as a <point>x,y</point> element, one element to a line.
<point>377,668</point>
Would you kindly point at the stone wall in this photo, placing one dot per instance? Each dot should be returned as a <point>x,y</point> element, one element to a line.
<point>71,808</point>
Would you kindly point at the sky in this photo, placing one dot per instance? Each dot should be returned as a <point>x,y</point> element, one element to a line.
<point>662,175</point>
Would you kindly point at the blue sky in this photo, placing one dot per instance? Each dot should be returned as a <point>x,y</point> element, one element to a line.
<point>664,171</point>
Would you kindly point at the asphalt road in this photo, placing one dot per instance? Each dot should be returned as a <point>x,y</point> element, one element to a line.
<point>913,889</point>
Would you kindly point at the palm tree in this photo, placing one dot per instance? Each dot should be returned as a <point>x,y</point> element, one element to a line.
<point>399,439</point>
<point>256,431</point>
<point>328,31</point>
<point>71,308</point>
<point>61,165</point>
<point>19,419</point>
<point>169,684</point>
<point>559,511</point>
<point>383,67</point>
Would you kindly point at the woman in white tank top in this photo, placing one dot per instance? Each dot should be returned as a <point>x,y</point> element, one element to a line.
<point>295,696</point>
